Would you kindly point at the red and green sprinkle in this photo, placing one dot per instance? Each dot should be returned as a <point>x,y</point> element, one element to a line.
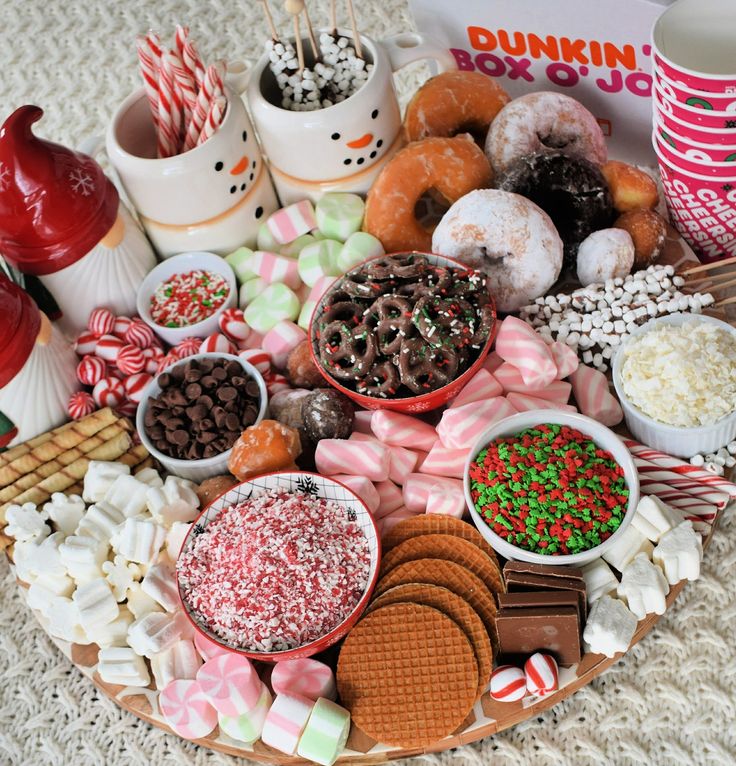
<point>185,299</point>
<point>549,489</point>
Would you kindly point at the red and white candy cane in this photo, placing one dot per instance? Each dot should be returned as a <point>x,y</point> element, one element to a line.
<point>210,87</point>
<point>215,116</point>
<point>109,392</point>
<point>508,684</point>
<point>139,334</point>
<point>169,111</point>
<point>135,385</point>
<point>520,345</point>
<point>80,405</point>
<point>101,322</point>
<point>91,370</point>
<point>590,388</point>
<point>541,674</point>
<point>680,467</point>
<point>130,359</point>
<point>149,57</point>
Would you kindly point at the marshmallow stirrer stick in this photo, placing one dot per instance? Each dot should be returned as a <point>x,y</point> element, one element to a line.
<point>356,34</point>
<point>310,32</point>
<point>294,9</point>
<point>269,21</point>
<point>333,17</point>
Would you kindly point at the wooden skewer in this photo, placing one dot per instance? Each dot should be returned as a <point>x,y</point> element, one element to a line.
<point>717,288</point>
<point>333,16</point>
<point>708,266</point>
<point>724,302</point>
<point>299,46</point>
<point>269,20</point>
<point>310,32</point>
<point>711,279</point>
<point>356,34</point>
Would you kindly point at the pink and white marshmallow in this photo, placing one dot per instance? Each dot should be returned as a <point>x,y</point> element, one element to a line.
<point>402,430</point>
<point>186,709</point>
<point>230,683</point>
<point>460,428</point>
<point>565,358</point>
<point>281,340</point>
<point>403,462</point>
<point>272,267</point>
<point>285,722</point>
<point>363,488</point>
<point>593,396</point>
<point>446,501</point>
<point>344,455</point>
<point>292,221</point>
<point>481,386</point>
<point>310,678</point>
<point>522,346</point>
<point>419,485</point>
<point>390,498</point>
<point>524,403</point>
<point>442,461</point>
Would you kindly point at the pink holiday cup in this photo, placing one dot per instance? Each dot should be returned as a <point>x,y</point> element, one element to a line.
<point>693,43</point>
<point>693,164</point>
<point>697,133</point>
<point>694,149</point>
<point>704,118</point>
<point>699,99</point>
<point>702,209</point>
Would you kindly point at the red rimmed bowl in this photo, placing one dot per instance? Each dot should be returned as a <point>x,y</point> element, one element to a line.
<point>292,482</point>
<point>700,99</point>
<point>408,404</point>
<point>704,118</point>
<point>702,209</point>
<point>710,136</point>
<point>694,149</point>
<point>694,164</point>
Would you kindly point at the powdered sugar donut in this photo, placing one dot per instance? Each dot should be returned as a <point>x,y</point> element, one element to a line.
<point>544,122</point>
<point>605,254</point>
<point>506,236</point>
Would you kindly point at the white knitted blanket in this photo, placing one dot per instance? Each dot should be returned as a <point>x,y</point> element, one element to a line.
<point>669,701</point>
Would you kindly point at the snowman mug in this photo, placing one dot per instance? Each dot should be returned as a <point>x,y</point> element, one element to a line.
<point>213,197</point>
<point>344,146</point>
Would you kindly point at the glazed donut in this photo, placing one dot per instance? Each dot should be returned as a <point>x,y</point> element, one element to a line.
<point>449,166</point>
<point>605,254</point>
<point>540,123</point>
<point>573,192</point>
<point>509,238</point>
<point>452,103</point>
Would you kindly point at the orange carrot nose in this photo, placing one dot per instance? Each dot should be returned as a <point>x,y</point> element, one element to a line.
<point>241,167</point>
<point>359,143</point>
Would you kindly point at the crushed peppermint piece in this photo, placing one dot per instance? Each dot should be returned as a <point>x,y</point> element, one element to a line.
<point>185,299</point>
<point>275,572</point>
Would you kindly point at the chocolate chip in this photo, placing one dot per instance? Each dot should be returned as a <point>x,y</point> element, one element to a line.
<point>252,389</point>
<point>164,380</point>
<point>192,375</point>
<point>193,390</point>
<point>206,437</point>
<point>232,422</point>
<point>180,437</point>
<point>205,401</point>
<point>226,393</point>
<point>233,370</point>
<point>206,365</point>
<point>209,381</point>
<point>219,373</point>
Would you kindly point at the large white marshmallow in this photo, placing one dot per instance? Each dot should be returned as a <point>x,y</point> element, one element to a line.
<point>100,477</point>
<point>610,627</point>
<point>631,543</point>
<point>643,587</point>
<point>679,553</point>
<point>122,666</point>
<point>128,495</point>
<point>599,580</point>
<point>65,511</point>
<point>653,517</point>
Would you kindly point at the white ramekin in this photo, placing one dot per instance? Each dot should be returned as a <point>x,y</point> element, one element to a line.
<point>674,440</point>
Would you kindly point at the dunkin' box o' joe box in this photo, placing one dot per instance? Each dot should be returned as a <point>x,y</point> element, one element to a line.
<point>597,51</point>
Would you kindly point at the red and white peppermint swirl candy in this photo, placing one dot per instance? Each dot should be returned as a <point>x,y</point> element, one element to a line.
<point>153,356</point>
<point>91,370</point>
<point>276,382</point>
<point>109,392</point>
<point>139,334</point>
<point>108,347</point>
<point>85,344</point>
<point>187,347</point>
<point>233,324</point>
<point>217,342</point>
<point>541,674</point>
<point>121,327</point>
<point>508,684</point>
<point>259,358</point>
<point>135,386</point>
<point>130,359</point>
<point>101,322</point>
<point>80,405</point>
<point>127,409</point>
<point>166,361</point>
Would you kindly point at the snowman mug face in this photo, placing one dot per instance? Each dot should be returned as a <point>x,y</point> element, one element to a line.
<point>339,147</point>
<point>220,184</point>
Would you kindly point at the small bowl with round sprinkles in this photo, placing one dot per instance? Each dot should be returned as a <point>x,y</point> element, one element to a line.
<point>549,487</point>
<point>404,331</point>
<point>279,567</point>
<point>185,295</point>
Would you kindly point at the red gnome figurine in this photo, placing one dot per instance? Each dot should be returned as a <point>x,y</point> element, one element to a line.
<point>61,219</point>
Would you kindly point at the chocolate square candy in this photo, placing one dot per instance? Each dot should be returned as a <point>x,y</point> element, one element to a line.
<point>523,577</point>
<point>525,630</point>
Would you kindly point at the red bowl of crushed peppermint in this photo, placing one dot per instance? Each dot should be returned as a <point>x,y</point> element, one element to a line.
<point>551,487</point>
<point>279,567</point>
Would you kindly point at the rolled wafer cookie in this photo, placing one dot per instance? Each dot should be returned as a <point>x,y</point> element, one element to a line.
<point>44,446</point>
<point>87,447</point>
<point>137,458</point>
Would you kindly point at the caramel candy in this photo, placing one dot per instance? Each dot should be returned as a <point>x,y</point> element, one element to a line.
<point>262,448</point>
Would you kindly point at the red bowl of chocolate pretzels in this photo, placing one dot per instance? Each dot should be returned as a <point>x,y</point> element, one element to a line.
<point>404,331</point>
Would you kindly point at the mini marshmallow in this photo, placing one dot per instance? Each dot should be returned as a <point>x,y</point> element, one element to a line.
<point>264,239</point>
<point>122,666</point>
<point>156,632</point>
<point>325,734</point>
<point>65,511</point>
<point>653,517</point>
<point>460,428</point>
<point>175,538</point>
<point>96,604</point>
<point>121,574</point>
<point>293,249</point>
<point>679,553</point>
<point>63,621</point>
<point>175,501</point>
<point>128,495</point>
<point>114,633</point>
<point>181,660</point>
<point>185,708</point>
<point>599,580</point>
<point>40,597</point>
<point>140,603</point>
<point>240,262</point>
<point>26,522</point>
<point>643,587</point>
<point>247,727</point>
<point>629,544</point>
<point>480,387</point>
<point>285,722</point>
<point>610,627</point>
<point>150,477</point>
<point>402,430</point>
<point>160,584</point>
<point>272,268</point>
<point>139,540</point>
<point>309,678</point>
<point>230,683</point>
<point>319,260</point>
<point>100,521</point>
<point>83,556</point>
<point>275,304</point>
<point>446,502</point>
<point>99,478</point>
<point>250,290</point>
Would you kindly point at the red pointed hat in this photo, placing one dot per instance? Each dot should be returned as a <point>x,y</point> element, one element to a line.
<point>20,323</point>
<point>55,204</point>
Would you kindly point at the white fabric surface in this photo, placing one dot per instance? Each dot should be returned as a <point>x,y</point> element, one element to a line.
<point>669,701</point>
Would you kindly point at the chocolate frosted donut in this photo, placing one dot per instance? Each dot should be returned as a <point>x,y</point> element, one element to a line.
<point>540,123</point>
<point>506,236</point>
<point>573,192</point>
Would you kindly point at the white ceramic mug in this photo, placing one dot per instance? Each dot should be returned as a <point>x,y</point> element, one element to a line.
<point>340,147</point>
<point>213,197</point>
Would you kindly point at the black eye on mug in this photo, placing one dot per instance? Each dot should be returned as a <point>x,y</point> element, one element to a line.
<point>335,136</point>
<point>219,166</point>
<point>245,135</point>
<point>374,114</point>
